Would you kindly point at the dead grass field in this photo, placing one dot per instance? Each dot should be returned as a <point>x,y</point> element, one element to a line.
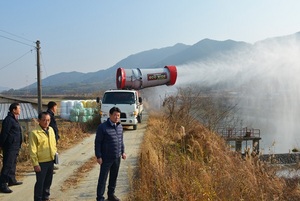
<point>195,164</point>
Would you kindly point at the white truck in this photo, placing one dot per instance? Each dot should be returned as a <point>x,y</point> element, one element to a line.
<point>129,102</point>
<point>126,97</point>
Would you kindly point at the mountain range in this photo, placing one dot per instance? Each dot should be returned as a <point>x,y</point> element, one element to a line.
<point>179,54</point>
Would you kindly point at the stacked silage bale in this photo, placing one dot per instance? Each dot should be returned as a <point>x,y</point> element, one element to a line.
<point>65,108</point>
<point>79,110</point>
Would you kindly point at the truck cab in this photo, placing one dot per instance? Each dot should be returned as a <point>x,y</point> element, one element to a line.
<point>129,103</point>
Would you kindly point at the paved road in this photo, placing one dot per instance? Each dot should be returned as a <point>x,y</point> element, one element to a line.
<point>73,159</point>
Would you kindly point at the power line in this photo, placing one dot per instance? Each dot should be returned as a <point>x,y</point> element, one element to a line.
<point>15,60</point>
<point>43,64</point>
<point>16,35</point>
<point>16,41</point>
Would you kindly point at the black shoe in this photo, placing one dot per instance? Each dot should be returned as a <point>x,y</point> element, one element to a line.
<point>113,198</point>
<point>4,188</point>
<point>15,183</point>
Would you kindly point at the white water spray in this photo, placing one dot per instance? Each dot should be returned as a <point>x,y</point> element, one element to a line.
<point>265,79</point>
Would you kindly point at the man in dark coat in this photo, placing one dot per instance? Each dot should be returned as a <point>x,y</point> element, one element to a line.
<point>52,108</point>
<point>109,149</point>
<point>10,142</point>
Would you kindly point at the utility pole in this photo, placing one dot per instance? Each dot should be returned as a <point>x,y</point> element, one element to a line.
<point>39,85</point>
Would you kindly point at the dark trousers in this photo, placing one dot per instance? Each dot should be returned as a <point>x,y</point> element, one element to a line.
<point>8,172</point>
<point>43,181</point>
<point>111,167</point>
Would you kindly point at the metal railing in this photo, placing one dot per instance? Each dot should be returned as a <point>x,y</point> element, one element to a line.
<point>239,133</point>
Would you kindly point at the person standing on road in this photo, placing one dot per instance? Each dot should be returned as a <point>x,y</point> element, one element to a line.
<point>10,143</point>
<point>42,148</point>
<point>52,108</point>
<point>109,149</point>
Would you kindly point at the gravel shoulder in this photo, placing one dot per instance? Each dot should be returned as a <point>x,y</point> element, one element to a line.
<point>74,158</point>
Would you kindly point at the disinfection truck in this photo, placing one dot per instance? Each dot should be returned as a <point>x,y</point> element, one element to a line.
<point>127,97</point>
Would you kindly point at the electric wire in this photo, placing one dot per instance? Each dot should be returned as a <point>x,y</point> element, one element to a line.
<point>1,68</point>
<point>16,35</point>
<point>16,41</point>
<point>46,74</point>
<point>23,44</point>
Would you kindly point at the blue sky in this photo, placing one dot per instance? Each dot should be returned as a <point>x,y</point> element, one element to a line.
<point>87,36</point>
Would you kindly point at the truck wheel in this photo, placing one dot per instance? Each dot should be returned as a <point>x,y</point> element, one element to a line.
<point>134,127</point>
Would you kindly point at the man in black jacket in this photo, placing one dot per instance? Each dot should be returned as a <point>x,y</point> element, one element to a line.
<point>52,108</point>
<point>10,142</point>
<point>109,149</point>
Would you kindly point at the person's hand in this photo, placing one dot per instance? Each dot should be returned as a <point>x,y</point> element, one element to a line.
<point>124,156</point>
<point>99,161</point>
<point>37,168</point>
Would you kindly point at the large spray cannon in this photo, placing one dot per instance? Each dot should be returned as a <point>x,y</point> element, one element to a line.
<point>143,78</point>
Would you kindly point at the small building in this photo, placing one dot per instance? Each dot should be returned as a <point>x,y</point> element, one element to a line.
<point>245,137</point>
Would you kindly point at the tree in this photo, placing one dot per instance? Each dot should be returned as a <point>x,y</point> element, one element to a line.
<point>194,103</point>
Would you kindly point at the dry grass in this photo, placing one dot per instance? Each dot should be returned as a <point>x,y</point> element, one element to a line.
<point>196,164</point>
<point>71,133</point>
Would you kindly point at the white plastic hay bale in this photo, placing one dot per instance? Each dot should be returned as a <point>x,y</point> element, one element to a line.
<point>95,111</point>
<point>63,107</point>
<point>78,104</point>
<point>84,103</point>
<point>91,104</point>
<point>82,112</point>
<point>70,105</point>
<point>94,104</point>
<point>74,112</point>
<point>65,116</point>
<point>82,119</point>
<point>74,118</point>
<point>88,111</point>
<point>87,104</point>
<point>90,118</point>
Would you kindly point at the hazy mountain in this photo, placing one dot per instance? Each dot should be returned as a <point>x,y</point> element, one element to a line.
<point>62,78</point>
<point>3,88</point>
<point>206,49</point>
<point>106,78</point>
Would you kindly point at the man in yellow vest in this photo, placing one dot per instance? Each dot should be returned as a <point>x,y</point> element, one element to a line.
<point>42,148</point>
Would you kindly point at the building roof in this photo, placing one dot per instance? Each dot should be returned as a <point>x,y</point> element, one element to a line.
<point>28,112</point>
